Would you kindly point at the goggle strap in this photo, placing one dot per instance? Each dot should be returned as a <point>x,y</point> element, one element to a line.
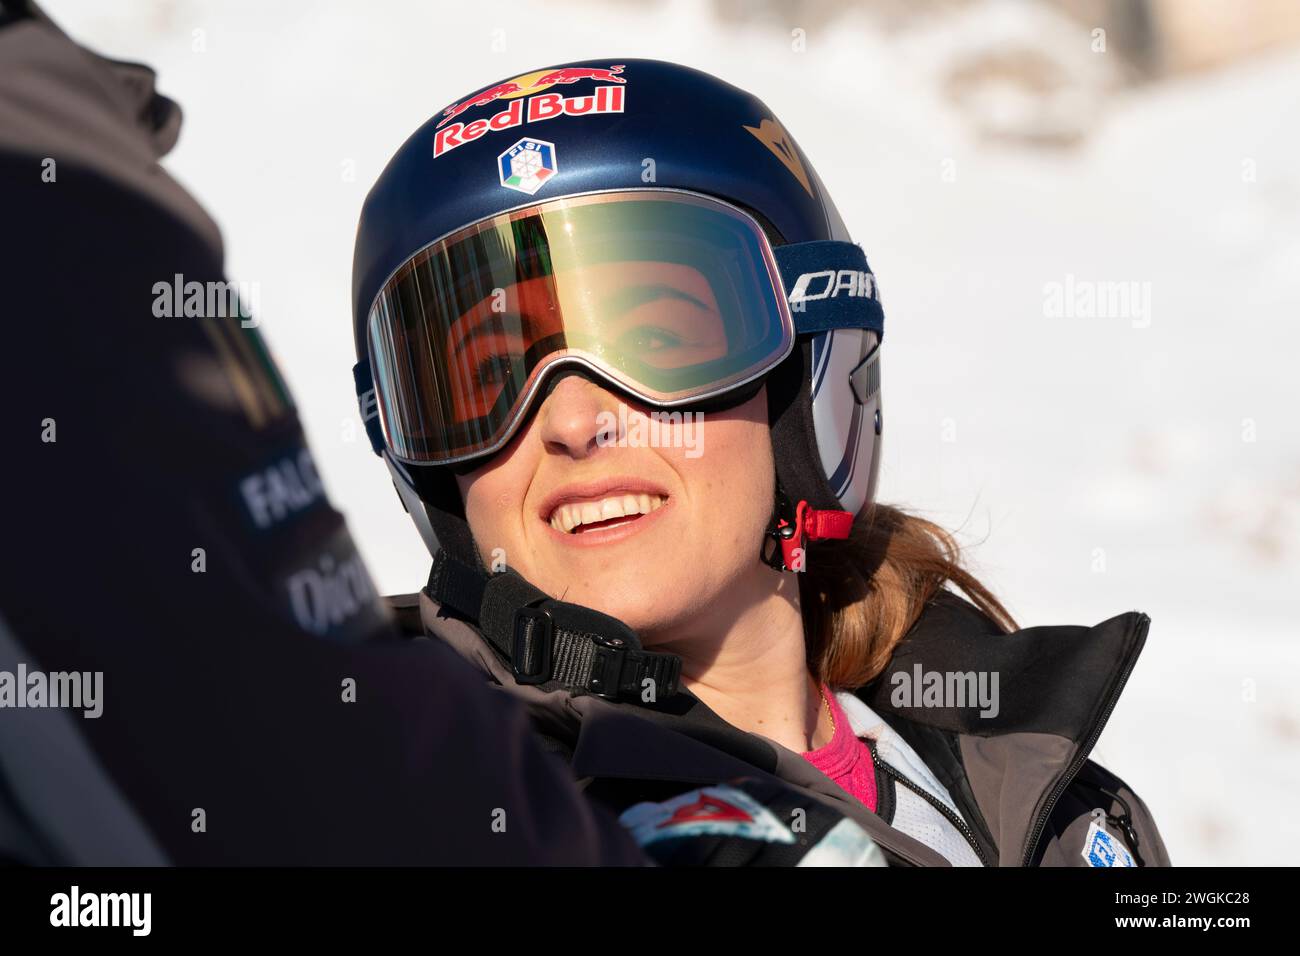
<point>829,285</point>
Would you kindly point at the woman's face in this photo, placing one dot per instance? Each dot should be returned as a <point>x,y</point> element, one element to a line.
<point>653,524</point>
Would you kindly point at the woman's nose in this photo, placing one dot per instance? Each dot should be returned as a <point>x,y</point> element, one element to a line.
<point>571,417</point>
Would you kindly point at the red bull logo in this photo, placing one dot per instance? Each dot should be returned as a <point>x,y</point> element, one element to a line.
<point>531,103</point>
<point>571,74</point>
<point>509,88</point>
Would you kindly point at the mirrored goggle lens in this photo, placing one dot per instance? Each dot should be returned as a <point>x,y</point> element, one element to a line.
<point>671,296</point>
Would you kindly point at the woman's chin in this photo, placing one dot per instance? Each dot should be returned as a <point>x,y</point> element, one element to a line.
<point>642,602</point>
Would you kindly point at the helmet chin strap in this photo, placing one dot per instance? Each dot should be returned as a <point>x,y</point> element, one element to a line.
<point>553,643</point>
<point>785,545</point>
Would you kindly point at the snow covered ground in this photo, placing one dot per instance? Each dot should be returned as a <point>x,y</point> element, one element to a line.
<point>1148,459</point>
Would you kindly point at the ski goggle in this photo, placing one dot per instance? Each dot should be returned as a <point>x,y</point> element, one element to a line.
<point>671,296</point>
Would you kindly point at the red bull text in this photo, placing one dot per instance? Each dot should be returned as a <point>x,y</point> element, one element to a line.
<point>526,108</point>
<point>543,106</point>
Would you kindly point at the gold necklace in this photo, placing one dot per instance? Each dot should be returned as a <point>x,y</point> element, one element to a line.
<point>829,713</point>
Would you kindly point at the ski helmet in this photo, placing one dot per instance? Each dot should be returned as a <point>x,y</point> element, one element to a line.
<point>657,161</point>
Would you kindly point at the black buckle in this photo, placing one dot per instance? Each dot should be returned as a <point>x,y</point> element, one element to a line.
<point>607,667</point>
<point>772,553</point>
<point>534,632</point>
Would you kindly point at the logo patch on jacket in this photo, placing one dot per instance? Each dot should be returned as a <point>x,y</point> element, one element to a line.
<point>1102,849</point>
<point>708,811</point>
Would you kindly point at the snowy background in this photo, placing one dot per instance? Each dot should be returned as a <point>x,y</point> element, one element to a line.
<point>1092,465</point>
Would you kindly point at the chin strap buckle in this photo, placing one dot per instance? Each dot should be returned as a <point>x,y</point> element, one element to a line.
<point>788,550</point>
<point>543,640</point>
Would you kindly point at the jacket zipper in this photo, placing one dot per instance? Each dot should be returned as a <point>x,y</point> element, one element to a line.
<point>951,817</point>
<point>1125,824</point>
<point>1035,834</point>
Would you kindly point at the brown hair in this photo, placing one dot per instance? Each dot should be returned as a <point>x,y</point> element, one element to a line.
<point>862,595</point>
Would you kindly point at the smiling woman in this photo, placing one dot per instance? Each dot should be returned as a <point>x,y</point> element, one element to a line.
<point>738,589</point>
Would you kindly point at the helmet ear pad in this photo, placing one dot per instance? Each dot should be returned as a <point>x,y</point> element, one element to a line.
<point>438,496</point>
<point>794,439</point>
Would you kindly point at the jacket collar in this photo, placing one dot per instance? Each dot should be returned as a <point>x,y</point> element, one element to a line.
<point>1058,679</point>
<point>682,741</point>
<point>1007,765</point>
<point>1056,687</point>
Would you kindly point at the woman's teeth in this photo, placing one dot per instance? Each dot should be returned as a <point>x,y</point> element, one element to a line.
<point>568,517</point>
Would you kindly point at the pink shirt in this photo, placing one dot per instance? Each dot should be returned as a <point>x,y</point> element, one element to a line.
<point>846,759</point>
